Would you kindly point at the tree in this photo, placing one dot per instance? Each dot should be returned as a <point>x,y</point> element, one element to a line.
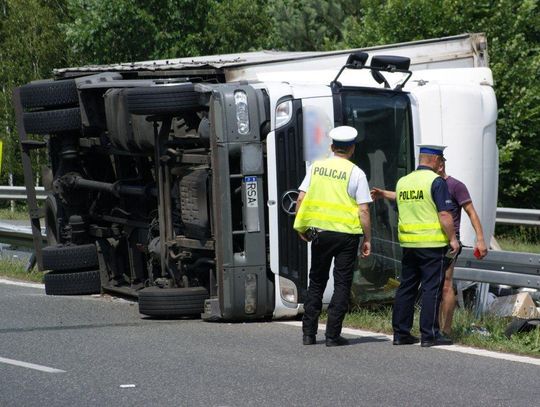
<point>31,45</point>
<point>236,26</point>
<point>310,25</point>
<point>102,32</point>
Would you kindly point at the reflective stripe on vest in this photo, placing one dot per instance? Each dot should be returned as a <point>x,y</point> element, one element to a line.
<point>419,224</point>
<point>327,204</point>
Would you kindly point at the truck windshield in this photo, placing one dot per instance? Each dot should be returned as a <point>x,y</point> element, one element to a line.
<point>385,153</point>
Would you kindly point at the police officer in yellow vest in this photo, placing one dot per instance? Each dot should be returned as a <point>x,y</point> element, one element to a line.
<point>333,213</point>
<point>426,234</point>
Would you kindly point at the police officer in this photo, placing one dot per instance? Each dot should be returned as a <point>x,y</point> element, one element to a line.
<point>425,230</point>
<point>333,213</point>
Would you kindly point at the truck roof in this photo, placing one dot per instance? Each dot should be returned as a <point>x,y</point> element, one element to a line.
<point>465,50</point>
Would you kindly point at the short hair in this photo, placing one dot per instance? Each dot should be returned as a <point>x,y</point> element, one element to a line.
<point>342,149</point>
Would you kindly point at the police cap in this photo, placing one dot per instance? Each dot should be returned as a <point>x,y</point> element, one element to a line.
<point>343,135</point>
<point>432,149</point>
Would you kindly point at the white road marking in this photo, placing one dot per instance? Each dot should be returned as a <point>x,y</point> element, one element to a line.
<point>30,365</point>
<point>126,386</point>
<point>452,348</point>
<point>21,283</point>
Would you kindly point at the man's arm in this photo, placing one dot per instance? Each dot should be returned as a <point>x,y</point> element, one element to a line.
<point>299,200</point>
<point>447,223</point>
<point>377,193</point>
<point>475,221</point>
<point>365,221</point>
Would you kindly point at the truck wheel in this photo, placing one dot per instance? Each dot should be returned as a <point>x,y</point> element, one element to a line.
<point>72,283</point>
<point>52,121</point>
<point>156,100</point>
<point>60,257</point>
<point>49,93</point>
<point>172,302</point>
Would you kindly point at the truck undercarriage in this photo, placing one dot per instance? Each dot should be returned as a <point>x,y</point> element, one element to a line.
<point>144,191</point>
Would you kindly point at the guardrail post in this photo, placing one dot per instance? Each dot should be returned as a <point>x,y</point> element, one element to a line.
<point>33,209</point>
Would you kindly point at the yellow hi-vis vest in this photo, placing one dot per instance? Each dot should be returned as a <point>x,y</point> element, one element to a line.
<point>418,224</point>
<point>327,205</point>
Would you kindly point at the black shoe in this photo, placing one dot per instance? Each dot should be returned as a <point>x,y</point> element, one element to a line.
<point>440,340</point>
<point>406,340</point>
<point>309,340</point>
<point>339,341</point>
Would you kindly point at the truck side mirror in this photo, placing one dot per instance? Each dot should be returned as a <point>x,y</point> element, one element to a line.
<point>390,62</point>
<point>357,60</point>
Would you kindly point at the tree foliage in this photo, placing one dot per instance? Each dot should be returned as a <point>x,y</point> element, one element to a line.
<point>31,45</point>
<point>236,26</point>
<point>102,32</point>
<point>309,25</point>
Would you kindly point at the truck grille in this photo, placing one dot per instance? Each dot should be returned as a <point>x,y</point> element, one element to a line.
<point>290,173</point>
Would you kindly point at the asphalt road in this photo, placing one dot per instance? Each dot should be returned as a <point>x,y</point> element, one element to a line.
<point>107,355</point>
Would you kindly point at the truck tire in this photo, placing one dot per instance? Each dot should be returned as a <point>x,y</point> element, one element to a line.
<point>49,93</point>
<point>72,283</point>
<point>60,257</point>
<point>172,302</point>
<point>162,100</point>
<point>52,121</point>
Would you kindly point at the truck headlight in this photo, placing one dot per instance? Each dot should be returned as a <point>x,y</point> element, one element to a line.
<point>242,112</point>
<point>283,113</point>
<point>288,290</point>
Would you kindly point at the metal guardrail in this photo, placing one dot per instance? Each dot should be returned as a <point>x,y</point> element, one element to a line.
<point>500,267</point>
<point>17,235</point>
<point>19,193</point>
<point>516,216</point>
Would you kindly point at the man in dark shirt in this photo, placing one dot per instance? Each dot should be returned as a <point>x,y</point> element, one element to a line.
<point>460,199</point>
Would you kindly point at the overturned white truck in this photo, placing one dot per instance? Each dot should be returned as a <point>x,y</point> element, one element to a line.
<point>175,181</point>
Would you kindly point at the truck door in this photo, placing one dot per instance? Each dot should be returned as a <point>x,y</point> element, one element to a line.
<point>385,152</point>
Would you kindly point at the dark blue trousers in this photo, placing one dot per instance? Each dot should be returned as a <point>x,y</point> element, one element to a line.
<point>343,248</point>
<point>426,266</point>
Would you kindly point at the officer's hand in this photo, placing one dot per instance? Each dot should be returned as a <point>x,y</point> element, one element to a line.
<point>376,193</point>
<point>481,249</point>
<point>303,237</point>
<point>454,244</point>
<point>366,249</point>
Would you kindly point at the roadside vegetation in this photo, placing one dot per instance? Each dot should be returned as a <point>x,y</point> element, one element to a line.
<point>17,214</point>
<point>486,333</point>
<point>15,269</point>
<point>519,238</point>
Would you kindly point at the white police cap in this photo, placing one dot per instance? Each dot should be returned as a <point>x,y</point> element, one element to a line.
<point>343,135</point>
<point>433,149</point>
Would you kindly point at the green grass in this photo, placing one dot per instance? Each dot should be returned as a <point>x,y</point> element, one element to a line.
<point>466,330</point>
<point>18,214</point>
<point>513,244</point>
<point>14,269</point>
